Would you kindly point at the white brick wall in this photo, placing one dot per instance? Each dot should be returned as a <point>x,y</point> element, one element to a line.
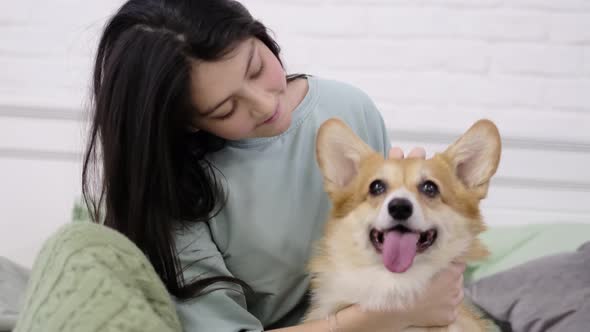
<point>432,67</point>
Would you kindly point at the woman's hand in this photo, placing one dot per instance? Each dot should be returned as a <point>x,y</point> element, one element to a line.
<point>438,305</point>
<point>398,153</point>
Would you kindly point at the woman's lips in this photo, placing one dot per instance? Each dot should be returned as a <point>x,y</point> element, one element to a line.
<point>274,116</point>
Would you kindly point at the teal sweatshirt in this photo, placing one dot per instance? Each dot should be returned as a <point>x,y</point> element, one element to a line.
<point>275,211</point>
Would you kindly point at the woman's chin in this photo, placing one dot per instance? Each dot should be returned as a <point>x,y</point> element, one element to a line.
<point>282,125</point>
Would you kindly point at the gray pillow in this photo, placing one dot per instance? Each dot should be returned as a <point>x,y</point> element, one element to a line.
<point>551,293</point>
<point>13,282</point>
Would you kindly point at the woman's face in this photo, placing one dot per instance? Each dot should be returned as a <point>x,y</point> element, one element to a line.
<point>242,95</point>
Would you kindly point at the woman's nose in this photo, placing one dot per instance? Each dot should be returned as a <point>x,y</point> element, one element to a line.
<point>262,104</point>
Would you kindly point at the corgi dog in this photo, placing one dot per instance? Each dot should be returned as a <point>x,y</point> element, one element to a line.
<point>395,223</point>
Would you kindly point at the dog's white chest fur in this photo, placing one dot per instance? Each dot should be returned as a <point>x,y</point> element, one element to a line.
<point>373,288</point>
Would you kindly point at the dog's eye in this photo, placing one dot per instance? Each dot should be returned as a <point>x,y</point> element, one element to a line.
<point>377,187</point>
<point>429,188</point>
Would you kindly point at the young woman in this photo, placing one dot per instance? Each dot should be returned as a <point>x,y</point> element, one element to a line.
<point>205,151</point>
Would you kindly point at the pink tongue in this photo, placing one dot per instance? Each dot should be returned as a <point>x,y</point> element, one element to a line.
<point>399,250</point>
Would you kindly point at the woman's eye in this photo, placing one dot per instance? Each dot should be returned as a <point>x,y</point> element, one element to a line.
<point>259,71</point>
<point>377,187</point>
<point>226,115</point>
<point>429,189</point>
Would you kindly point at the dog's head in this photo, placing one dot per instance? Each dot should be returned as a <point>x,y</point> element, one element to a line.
<point>400,213</point>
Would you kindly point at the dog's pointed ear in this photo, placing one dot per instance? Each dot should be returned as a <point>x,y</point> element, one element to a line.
<point>475,156</point>
<point>339,152</point>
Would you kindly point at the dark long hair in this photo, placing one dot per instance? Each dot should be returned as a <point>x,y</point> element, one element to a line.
<point>145,174</point>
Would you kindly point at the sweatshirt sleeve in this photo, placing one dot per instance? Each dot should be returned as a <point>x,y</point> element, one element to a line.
<point>222,305</point>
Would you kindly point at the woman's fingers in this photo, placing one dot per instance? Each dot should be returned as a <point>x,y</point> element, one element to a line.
<point>418,152</point>
<point>398,153</point>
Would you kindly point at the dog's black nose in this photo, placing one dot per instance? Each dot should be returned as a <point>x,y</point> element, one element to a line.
<point>400,208</point>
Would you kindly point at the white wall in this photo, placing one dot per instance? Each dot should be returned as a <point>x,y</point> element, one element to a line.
<point>433,67</point>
